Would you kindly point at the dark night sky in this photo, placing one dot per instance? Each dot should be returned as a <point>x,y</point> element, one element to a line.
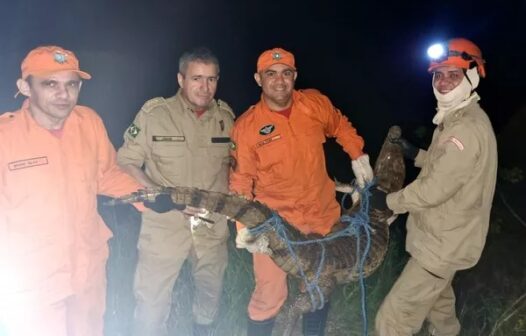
<point>367,56</point>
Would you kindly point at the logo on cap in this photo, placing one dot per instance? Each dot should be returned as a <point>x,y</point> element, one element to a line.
<point>60,58</point>
<point>275,56</point>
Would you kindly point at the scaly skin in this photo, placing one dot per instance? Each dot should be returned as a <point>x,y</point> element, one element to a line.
<point>341,260</point>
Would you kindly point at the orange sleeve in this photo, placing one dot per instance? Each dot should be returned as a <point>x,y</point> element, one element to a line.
<point>338,126</point>
<point>243,168</point>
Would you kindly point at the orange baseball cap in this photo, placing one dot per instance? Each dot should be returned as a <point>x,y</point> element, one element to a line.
<point>48,59</point>
<point>275,56</point>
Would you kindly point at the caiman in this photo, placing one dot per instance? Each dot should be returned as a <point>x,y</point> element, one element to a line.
<point>341,260</point>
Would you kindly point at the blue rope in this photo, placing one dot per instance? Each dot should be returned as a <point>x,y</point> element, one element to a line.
<point>357,222</point>
<point>276,223</point>
<point>361,220</point>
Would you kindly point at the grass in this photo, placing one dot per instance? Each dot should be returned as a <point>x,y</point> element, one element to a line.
<point>491,297</point>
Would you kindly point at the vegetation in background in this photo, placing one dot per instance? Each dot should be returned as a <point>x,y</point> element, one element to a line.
<point>491,297</point>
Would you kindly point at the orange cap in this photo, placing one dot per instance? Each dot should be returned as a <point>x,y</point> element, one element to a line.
<point>48,59</point>
<point>275,56</point>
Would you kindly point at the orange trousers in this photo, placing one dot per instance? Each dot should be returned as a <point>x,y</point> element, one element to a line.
<point>81,314</point>
<point>271,289</point>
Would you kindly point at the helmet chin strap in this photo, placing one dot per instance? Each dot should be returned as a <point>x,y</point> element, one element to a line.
<point>472,75</point>
<point>466,76</point>
<point>457,98</point>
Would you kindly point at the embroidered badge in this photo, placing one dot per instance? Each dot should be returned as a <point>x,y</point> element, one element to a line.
<point>268,140</point>
<point>133,130</point>
<point>27,163</point>
<point>457,142</point>
<point>168,138</point>
<point>60,57</point>
<point>222,125</point>
<point>267,129</point>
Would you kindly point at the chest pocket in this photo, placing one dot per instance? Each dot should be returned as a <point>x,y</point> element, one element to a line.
<point>313,136</point>
<point>274,157</point>
<point>218,154</point>
<point>19,180</point>
<point>219,147</point>
<point>309,146</point>
<point>169,157</point>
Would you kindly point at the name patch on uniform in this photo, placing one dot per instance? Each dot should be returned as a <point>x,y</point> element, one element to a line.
<point>28,163</point>
<point>168,138</point>
<point>220,139</point>
<point>268,140</point>
<point>267,129</point>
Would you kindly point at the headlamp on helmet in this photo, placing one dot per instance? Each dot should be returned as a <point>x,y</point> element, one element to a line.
<point>457,52</point>
<point>436,51</point>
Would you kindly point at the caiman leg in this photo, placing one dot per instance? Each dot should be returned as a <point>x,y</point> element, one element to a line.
<point>303,304</point>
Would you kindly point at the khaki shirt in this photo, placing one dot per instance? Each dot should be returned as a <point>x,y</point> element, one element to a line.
<point>176,147</point>
<point>449,203</point>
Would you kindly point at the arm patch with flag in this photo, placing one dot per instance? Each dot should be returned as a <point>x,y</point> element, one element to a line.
<point>133,130</point>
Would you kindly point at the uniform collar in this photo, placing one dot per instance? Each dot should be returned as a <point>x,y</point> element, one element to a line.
<point>457,114</point>
<point>296,96</point>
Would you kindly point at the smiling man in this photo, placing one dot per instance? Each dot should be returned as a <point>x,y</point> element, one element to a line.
<point>450,201</point>
<point>181,141</point>
<point>279,160</point>
<point>55,157</point>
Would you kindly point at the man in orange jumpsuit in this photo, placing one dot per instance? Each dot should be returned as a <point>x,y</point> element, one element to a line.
<point>55,157</point>
<point>278,159</point>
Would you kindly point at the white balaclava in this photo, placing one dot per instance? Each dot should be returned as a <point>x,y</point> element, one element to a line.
<point>457,98</point>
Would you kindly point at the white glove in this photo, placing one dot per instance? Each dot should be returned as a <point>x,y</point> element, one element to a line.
<point>363,172</point>
<point>348,189</point>
<point>253,244</point>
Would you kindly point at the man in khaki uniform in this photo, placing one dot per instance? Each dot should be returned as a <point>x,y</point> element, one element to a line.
<point>181,141</point>
<point>450,201</point>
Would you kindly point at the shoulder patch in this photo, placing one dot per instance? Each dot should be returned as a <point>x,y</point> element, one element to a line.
<point>133,130</point>
<point>225,107</point>
<point>456,142</point>
<point>152,103</point>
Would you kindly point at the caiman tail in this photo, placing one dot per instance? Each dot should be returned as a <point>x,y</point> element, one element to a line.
<point>339,255</point>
